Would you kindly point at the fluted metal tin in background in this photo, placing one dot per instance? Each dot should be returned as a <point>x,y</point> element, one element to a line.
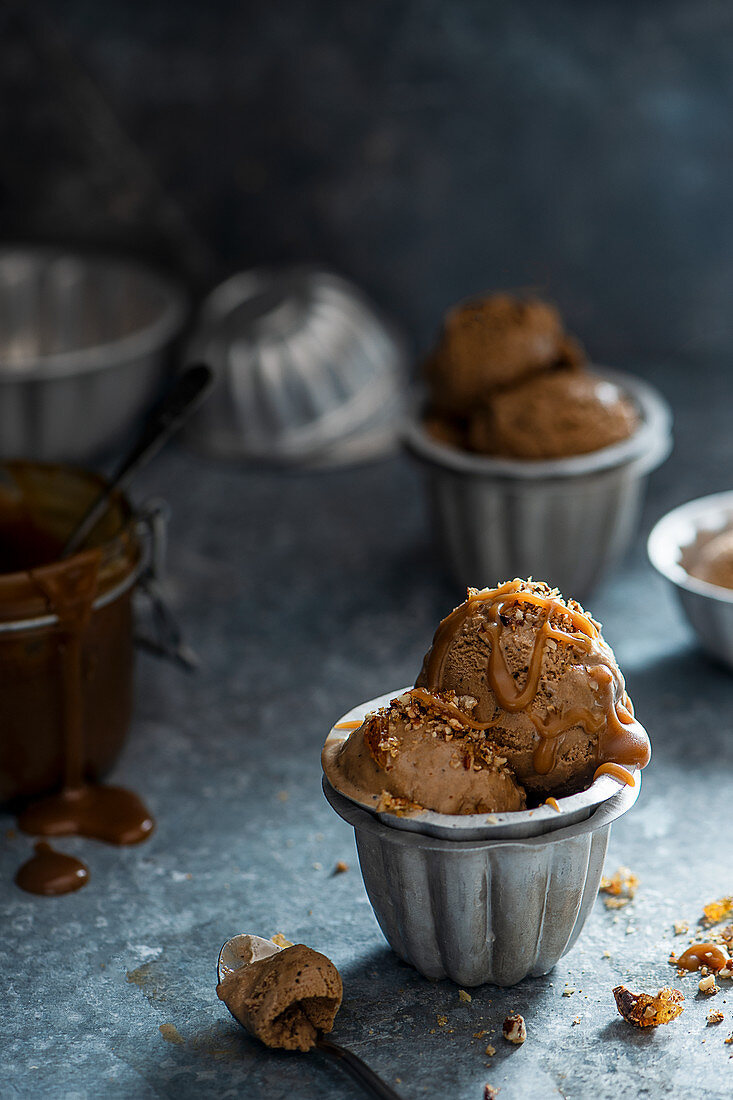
<point>487,910</point>
<point>708,607</point>
<point>567,521</point>
<point>483,897</point>
<point>307,372</point>
<point>83,349</point>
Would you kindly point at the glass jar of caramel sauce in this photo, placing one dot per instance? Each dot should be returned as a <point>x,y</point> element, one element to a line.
<point>66,630</point>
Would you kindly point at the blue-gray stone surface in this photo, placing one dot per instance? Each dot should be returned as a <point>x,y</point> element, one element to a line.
<point>304,594</point>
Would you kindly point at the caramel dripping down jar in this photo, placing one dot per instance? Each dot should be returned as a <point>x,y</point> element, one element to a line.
<point>39,505</point>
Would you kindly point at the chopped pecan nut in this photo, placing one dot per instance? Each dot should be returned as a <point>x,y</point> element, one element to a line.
<point>645,1010</point>
<point>514,1029</point>
<point>621,887</point>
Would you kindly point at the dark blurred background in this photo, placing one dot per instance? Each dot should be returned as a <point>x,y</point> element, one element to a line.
<point>425,148</point>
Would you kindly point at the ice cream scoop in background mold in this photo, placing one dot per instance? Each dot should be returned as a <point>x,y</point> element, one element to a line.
<point>571,519</point>
<point>675,541</point>
<point>536,460</point>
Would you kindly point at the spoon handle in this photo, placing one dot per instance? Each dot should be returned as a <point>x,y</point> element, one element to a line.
<point>359,1070</point>
<point>178,403</point>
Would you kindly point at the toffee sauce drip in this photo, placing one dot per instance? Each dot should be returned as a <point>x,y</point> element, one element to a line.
<point>702,954</point>
<point>51,873</point>
<point>110,814</point>
<point>620,737</point>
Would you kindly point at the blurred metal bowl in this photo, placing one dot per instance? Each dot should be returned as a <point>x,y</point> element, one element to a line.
<point>307,371</point>
<point>708,607</point>
<point>83,344</point>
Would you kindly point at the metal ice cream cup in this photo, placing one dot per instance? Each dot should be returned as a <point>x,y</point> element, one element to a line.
<point>708,607</point>
<point>483,898</point>
<point>568,520</point>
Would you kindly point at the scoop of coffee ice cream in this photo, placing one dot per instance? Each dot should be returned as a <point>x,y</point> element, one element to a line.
<point>545,679</point>
<point>424,751</point>
<point>553,415</point>
<point>714,561</point>
<point>490,342</point>
<point>283,997</point>
<point>505,379</point>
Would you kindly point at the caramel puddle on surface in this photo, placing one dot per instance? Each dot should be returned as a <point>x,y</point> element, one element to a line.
<point>111,814</point>
<point>171,1034</point>
<point>51,873</point>
<point>702,954</point>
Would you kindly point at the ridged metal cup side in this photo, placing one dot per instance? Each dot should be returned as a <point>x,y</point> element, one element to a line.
<point>708,607</point>
<point>568,521</point>
<point>482,911</point>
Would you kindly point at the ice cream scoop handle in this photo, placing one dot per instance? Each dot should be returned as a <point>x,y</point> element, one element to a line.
<point>357,1069</point>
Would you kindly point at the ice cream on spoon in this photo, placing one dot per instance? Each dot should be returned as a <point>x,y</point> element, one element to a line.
<point>287,996</point>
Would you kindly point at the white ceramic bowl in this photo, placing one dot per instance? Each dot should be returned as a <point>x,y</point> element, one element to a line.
<point>708,607</point>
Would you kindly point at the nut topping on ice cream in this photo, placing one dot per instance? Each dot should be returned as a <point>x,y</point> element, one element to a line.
<point>424,751</point>
<point>545,679</point>
<point>284,997</point>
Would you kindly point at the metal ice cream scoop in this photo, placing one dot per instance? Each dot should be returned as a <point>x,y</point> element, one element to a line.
<point>238,952</point>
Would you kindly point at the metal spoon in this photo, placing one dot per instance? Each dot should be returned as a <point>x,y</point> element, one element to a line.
<point>184,395</point>
<point>230,959</point>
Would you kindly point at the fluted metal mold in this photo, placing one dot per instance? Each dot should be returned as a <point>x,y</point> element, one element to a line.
<point>708,607</point>
<point>568,521</point>
<point>306,369</point>
<point>482,911</point>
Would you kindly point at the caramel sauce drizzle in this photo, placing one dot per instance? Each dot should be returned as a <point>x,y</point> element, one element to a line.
<point>348,725</point>
<point>702,954</point>
<point>554,803</point>
<point>110,814</point>
<point>620,737</point>
<point>617,771</point>
<point>430,700</point>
